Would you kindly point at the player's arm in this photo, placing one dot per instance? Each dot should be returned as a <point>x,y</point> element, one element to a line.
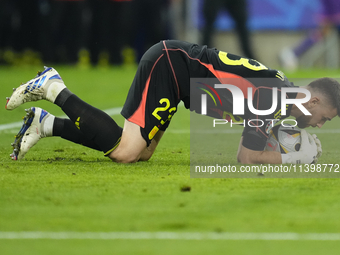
<point>307,154</point>
<point>248,156</point>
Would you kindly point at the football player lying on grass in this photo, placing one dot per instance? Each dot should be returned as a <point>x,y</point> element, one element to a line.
<point>161,82</point>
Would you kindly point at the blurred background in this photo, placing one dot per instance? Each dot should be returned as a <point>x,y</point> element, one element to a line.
<point>286,34</point>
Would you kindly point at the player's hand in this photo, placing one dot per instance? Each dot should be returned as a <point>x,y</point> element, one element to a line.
<point>307,153</point>
<point>319,148</point>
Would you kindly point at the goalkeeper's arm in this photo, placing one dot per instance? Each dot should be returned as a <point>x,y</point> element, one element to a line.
<point>309,152</point>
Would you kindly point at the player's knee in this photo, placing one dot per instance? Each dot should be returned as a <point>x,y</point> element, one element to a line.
<point>124,157</point>
<point>125,160</point>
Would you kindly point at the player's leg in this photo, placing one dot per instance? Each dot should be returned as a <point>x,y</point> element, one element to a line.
<point>239,13</point>
<point>87,126</point>
<point>148,152</point>
<point>210,11</point>
<point>38,124</point>
<point>66,129</point>
<point>93,123</point>
<point>96,129</point>
<point>133,147</point>
<point>151,102</point>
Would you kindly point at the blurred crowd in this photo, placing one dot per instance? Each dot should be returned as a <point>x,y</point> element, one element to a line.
<point>81,31</point>
<point>106,32</point>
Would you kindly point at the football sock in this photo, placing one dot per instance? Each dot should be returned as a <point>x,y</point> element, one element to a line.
<point>47,127</point>
<point>97,129</point>
<point>66,129</point>
<point>62,97</point>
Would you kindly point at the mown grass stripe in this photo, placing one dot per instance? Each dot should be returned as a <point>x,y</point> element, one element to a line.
<point>285,236</point>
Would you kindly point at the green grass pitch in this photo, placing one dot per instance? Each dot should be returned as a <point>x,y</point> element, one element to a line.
<point>64,187</point>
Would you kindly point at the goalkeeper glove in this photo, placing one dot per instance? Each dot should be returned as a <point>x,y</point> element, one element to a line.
<point>319,149</point>
<point>307,153</point>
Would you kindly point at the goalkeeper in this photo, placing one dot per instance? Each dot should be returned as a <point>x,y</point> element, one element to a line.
<point>161,82</point>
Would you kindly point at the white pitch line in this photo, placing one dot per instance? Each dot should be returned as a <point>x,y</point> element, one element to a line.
<point>10,125</point>
<point>172,236</point>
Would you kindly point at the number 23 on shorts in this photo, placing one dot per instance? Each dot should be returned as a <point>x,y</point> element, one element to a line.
<point>159,110</point>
